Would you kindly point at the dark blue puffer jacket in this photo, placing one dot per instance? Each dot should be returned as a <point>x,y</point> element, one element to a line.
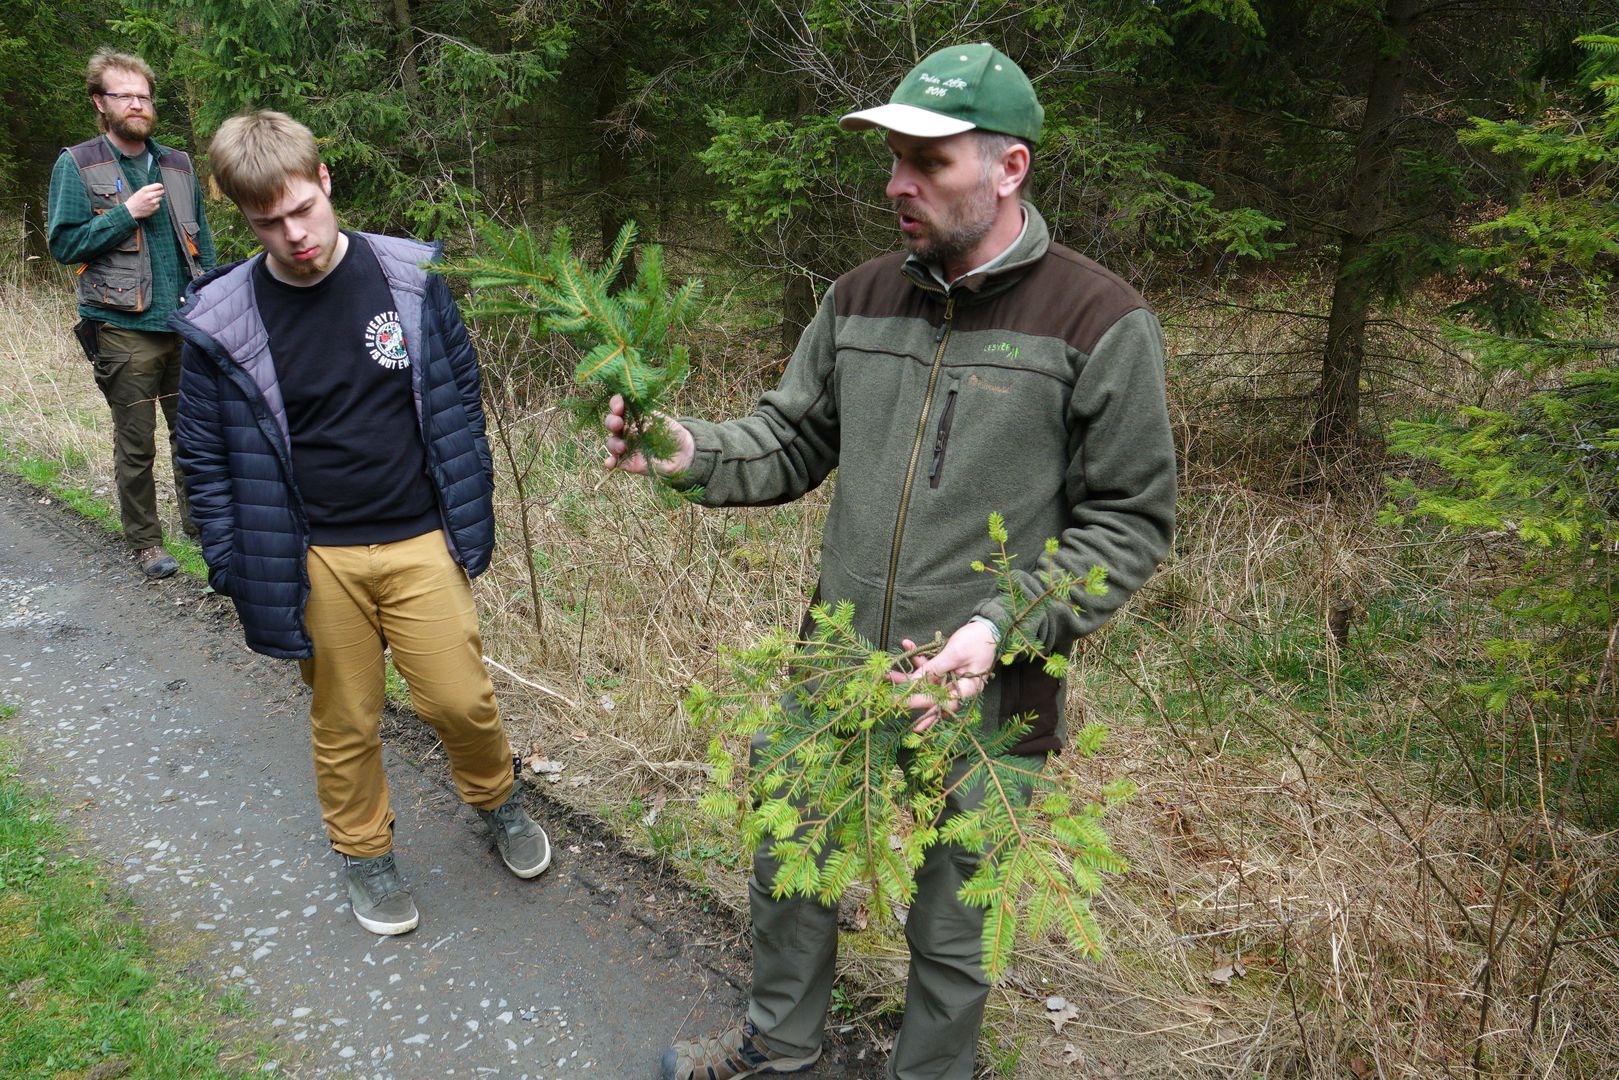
<point>234,448</point>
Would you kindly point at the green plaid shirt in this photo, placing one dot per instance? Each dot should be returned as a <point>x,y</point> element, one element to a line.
<point>77,236</point>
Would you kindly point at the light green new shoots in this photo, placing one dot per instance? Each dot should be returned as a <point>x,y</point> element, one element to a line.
<point>624,332</point>
<point>848,794</point>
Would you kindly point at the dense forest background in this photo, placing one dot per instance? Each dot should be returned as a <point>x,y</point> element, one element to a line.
<point>1382,237</point>
<point>1188,141</point>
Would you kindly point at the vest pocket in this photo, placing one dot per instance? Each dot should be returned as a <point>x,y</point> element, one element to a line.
<point>104,199</point>
<point>113,287</point>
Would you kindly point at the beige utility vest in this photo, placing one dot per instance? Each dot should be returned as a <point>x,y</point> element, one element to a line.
<point>121,279</point>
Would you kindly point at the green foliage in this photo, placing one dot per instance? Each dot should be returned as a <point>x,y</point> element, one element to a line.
<point>1107,171</point>
<point>624,334</point>
<point>1543,471</point>
<point>844,790</point>
<point>771,168</point>
<point>404,98</point>
<point>43,105</point>
<point>85,995</point>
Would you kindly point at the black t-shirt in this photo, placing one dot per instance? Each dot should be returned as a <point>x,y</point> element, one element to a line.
<point>339,353</point>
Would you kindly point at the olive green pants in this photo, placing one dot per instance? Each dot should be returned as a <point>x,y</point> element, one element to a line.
<point>411,597</point>
<point>138,371</point>
<point>795,944</point>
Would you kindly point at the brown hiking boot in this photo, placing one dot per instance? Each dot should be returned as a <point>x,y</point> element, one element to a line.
<point>730,1055</point>
<point>155,562</point>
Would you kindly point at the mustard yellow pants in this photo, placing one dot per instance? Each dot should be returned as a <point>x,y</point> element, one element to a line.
<point>412,598</point>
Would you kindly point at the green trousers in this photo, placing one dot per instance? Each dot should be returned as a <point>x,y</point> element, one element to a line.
<point>138,371</point>
<point>795,944</point>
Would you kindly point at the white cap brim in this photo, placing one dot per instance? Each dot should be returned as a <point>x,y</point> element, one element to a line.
<point>905,119</point>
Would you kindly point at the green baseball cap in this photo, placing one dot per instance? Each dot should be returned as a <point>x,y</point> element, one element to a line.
<point>955,90</point>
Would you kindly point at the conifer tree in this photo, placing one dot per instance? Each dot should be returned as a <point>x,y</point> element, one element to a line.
<point>1545,471</point>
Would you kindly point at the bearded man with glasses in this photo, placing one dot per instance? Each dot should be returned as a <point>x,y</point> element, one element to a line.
<point>127,213</point>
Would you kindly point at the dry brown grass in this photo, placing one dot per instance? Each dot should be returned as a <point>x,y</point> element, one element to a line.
<point>1305,810</point>
<point>49,404</point>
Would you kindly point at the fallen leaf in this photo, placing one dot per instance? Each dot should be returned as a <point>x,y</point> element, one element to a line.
<point>544,767</point>
<point>1061,1011</point>
<point>857,919</point>
<point>650,816</point>
<point>1222,976</point>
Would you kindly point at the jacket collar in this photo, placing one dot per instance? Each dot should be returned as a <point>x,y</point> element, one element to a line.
<point>153,147</point>
<point>1028,250</point>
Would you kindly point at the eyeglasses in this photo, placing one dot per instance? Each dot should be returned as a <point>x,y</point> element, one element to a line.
<point>129,99</point>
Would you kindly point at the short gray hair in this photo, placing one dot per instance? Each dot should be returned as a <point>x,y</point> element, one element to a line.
<point>993,144</point>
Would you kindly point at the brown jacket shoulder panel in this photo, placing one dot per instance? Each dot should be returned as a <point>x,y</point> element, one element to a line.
<point>880,288</point>
<point>1064,295</point>
<point>1061,295</point>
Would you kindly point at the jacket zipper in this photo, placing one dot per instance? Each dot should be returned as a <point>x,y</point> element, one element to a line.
<point>942,338</point>
<point>942,439</point>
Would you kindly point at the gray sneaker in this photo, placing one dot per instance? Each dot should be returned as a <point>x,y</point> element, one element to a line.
<point>379,896</point>
<point>523,845</point>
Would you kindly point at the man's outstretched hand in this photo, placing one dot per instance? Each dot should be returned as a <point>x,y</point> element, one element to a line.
<point>613,420</point>
<point>963,665</point>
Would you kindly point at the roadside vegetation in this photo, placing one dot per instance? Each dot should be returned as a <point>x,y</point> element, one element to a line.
<point>1368,704</point>
<point>86,992</point>
<point>1330,843</point>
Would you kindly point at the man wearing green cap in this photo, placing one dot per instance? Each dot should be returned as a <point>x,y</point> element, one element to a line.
<point>985,369</point>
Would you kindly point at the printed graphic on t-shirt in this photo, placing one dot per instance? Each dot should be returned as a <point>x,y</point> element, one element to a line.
<point>385,339</point>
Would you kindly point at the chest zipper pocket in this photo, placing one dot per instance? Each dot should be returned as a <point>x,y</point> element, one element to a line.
<point>941,439</point>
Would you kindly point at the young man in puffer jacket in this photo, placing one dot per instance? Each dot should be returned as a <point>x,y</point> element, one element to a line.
<point>333,444</point>
<point>984,369</point>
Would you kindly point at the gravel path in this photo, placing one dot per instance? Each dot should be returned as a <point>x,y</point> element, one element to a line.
<point>184,760</point>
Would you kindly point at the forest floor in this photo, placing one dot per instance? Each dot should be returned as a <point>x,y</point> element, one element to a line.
<point>1342,862</point>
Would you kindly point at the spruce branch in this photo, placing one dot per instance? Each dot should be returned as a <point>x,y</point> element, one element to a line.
<point>625,334</point>
<point>821,763</point>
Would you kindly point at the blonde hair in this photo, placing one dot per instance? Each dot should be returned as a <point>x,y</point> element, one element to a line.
<point>107,59</point>
<point>255,154</point>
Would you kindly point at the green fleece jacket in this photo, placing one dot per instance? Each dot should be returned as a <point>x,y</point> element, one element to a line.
<point>1035,389</point>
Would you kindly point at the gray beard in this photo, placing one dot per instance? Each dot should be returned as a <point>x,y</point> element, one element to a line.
<point>940,248</point>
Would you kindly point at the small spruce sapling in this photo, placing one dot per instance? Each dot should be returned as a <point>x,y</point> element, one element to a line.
<point>624,333</point>
<point>846,792</point>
